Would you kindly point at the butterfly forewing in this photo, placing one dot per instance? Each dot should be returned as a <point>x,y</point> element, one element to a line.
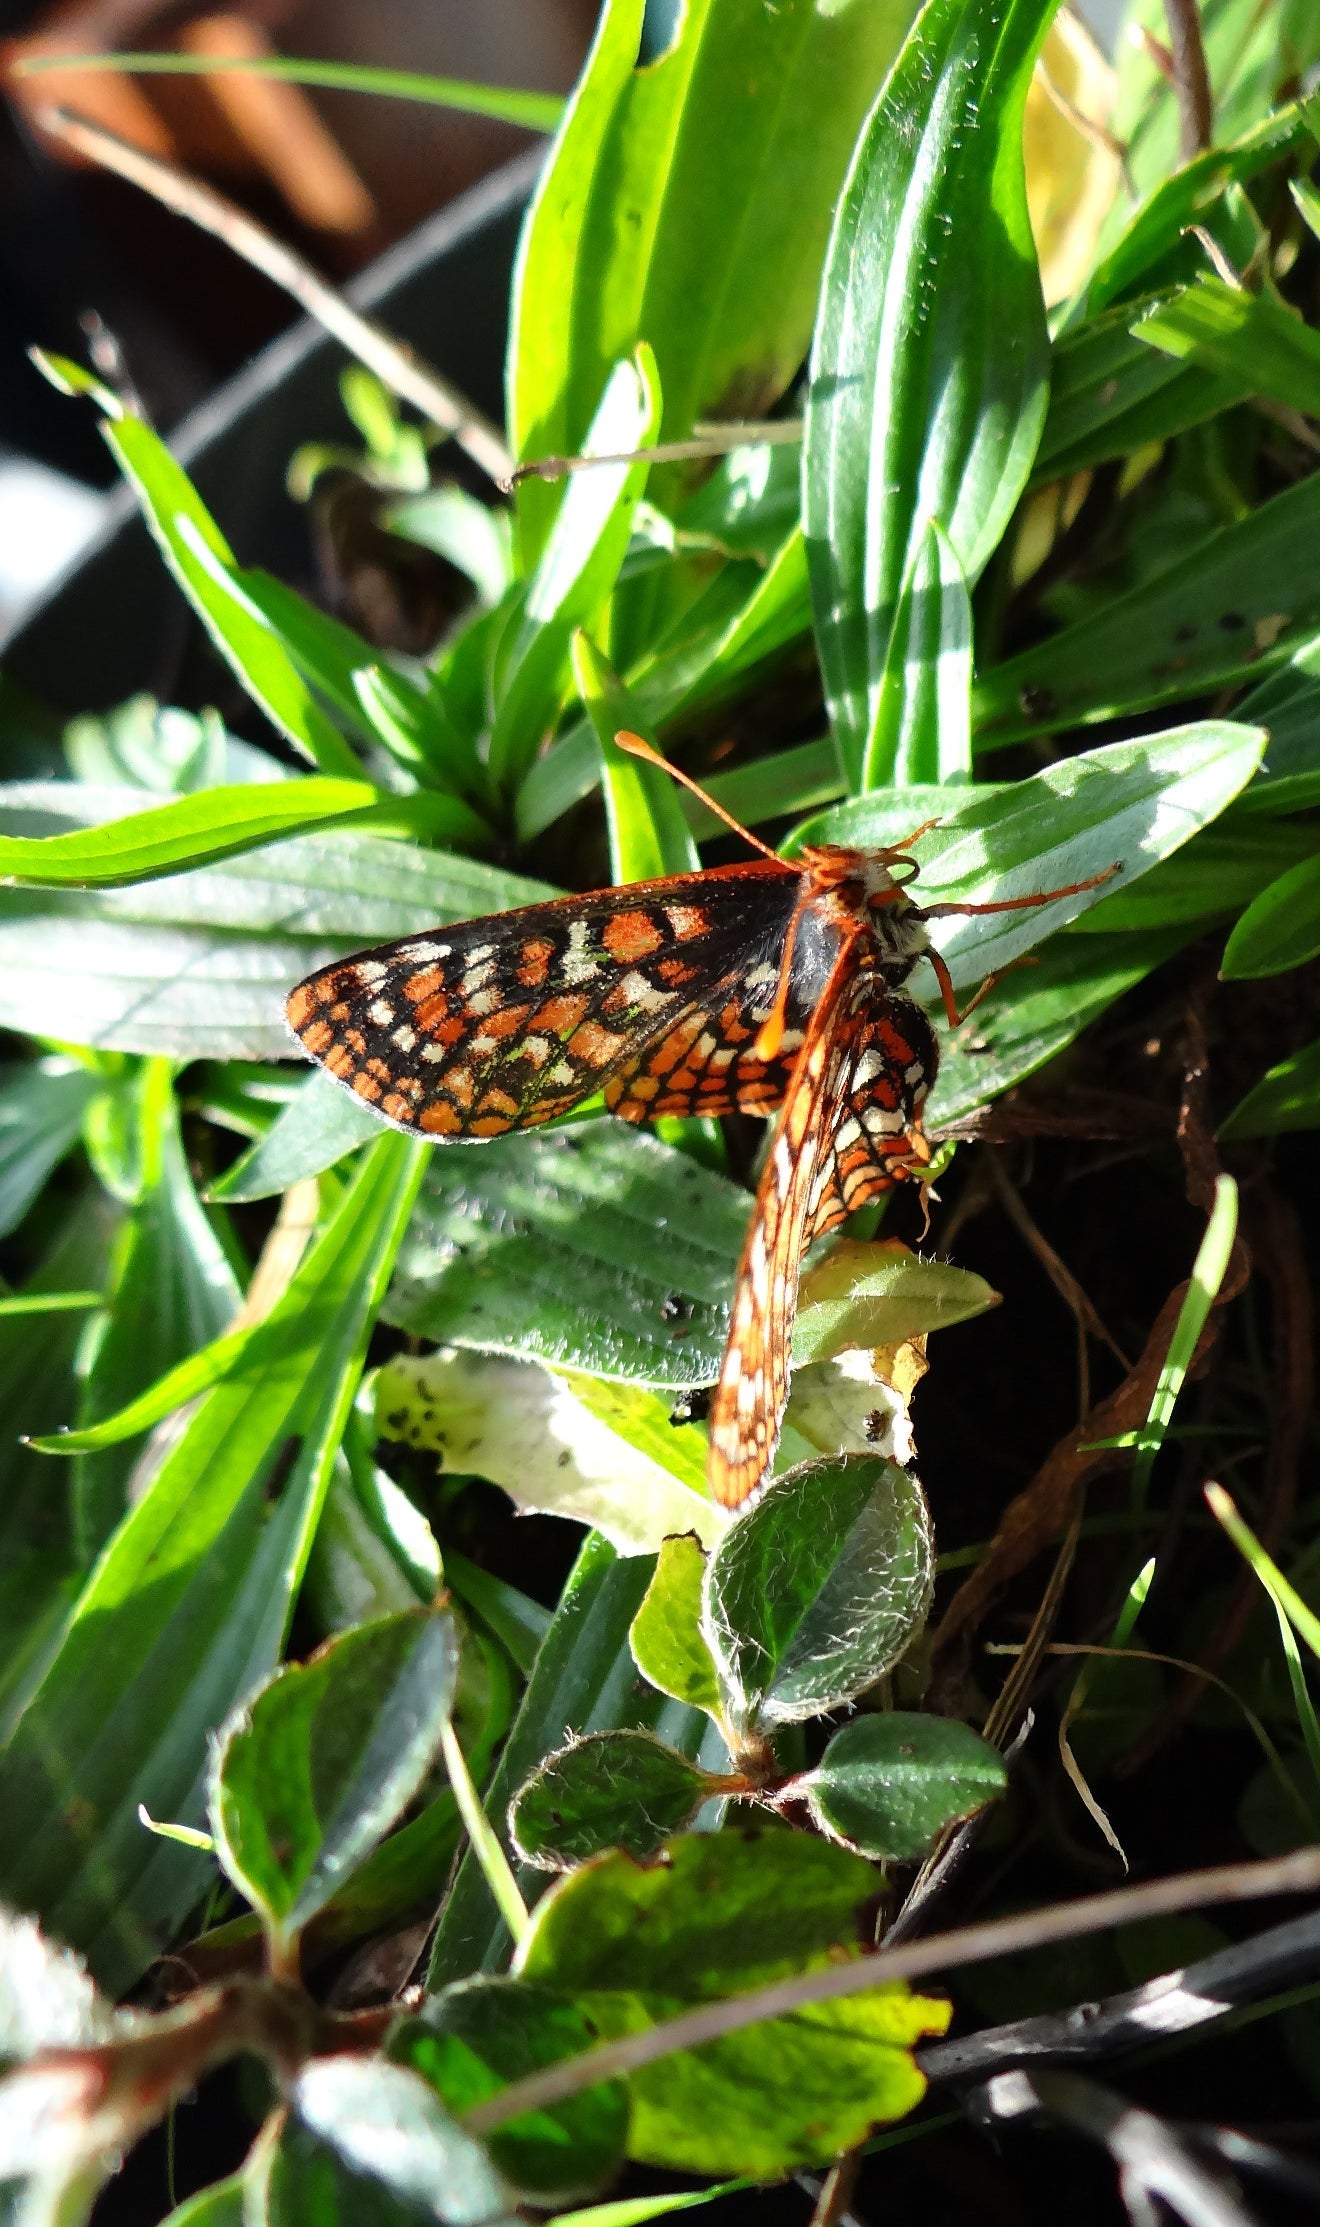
<point>504,1023</point>
<point>850,1128</point>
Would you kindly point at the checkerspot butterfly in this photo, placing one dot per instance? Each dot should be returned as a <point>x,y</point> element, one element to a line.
<point>770,987</point>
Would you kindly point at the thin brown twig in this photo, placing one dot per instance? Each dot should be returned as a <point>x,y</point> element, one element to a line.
<point>1074,1297</point>
<point>836,2190</point>
<point>405,373</point>
<point>1191,77</point>
<point>1298,1873</point>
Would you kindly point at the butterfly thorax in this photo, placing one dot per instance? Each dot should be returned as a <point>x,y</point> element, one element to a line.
<point>848,885</point>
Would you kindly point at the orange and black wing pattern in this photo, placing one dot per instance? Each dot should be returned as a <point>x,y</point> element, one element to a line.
<point>651,993</point>
<point>850,1128</point>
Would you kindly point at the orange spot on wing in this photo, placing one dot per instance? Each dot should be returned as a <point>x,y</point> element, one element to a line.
<point>560,1015</point>
<point>366,1088</point>
<point>594,1044</point>
<point>428,984</point>
<point>631,935</point>
<point>534,962</point>
<point>317,1037</point>
<point>440,1120</point>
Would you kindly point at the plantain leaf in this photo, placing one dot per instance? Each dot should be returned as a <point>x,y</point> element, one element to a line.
<point>929,370</point>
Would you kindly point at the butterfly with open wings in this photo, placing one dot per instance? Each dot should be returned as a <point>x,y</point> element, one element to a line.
<point>773,987</point>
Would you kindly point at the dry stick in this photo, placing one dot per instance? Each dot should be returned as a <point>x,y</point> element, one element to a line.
<point>1298,1873</point>
<point>707,440</point>
<point>1191,78</point>
<point>393,363</point>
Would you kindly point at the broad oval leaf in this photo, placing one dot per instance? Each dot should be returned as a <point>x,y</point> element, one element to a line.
<point>612,1790</point>
<point>314,1771</point>
<point>668,1645</point>
<point>886,1785</point>
<point>1288,1097</point>
<point>388,2124</point>
<point>477,2037</point>
<point>817,1591</point>
<point>929,371</point>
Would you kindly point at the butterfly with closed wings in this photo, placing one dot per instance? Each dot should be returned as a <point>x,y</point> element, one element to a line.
<point>770,987</point>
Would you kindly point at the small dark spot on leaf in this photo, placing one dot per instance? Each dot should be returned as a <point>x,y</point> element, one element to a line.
<point>1038,703</point>
<point>564,1459</point>
<point>1186,632</point>
<point>1232,622</point>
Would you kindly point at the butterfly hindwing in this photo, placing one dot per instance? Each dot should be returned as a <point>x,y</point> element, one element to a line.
<point>490,1025</point>
<point>830,1152</point>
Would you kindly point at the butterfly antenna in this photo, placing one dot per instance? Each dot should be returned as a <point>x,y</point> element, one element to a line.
<point>637,748</point>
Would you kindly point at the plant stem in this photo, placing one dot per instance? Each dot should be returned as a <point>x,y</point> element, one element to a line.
<point>1191,78</point>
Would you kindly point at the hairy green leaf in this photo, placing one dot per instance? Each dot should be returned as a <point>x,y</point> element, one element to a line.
<point>887,1785</point>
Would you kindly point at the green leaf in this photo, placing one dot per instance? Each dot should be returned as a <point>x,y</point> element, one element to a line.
<point>649,836</point>
<point>1279,929</point>
<point>1129,805</point>
<point>872,1295</point>
<point>816,1592</point>
<point>1288,1097</point>
<point>220,2205</point>
<point>386,2124</point>
<point>476,2038</point>
<point>723,1912</point>
<point>310,1775</point>
<point>1029,1018</point>
<point>199,965</point>
<point>143,744</point>
<point>1209,618</point>
<point>922,726</point>
<point>171,1289</point>
<point>578,565</point>
<point>593,1247</point>
<point>200,559</point>
<point>750,112</point>
<point>552,1446</point>
<point>190,1599</point>
<point>1223,870</point>
<point>611,1790</point>
<point>42,1105</point>
<point>584,1680</point>
<point>1186,197</point>
<point>320,1125</point>
<point>1251,339</point>
<point>509,104</point>
<point>1110,396</point>
<point>668,1645</point>
<point>888,1785</point>
<point>1287,704</point>
<point>38,1563</point>
<point>929,373</point>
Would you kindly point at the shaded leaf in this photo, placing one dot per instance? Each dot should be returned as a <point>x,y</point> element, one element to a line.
<point>584,1680</point>
<point>611,1790</point>
<point>1288,1097</point>
<point>887,1785</point>
<point>42,1105</point>
<point>312,1773</point>
<point>476,2038</point>
<point>1212,616</point>
<point>191,1599</point>
<point>171,1288</point>
<point>816,1592</point>
<point>668,1645</point>
<point>1279,929</point>
<point>320,1125</point>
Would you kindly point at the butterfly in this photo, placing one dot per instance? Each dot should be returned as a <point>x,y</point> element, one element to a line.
<point>772,987</point>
